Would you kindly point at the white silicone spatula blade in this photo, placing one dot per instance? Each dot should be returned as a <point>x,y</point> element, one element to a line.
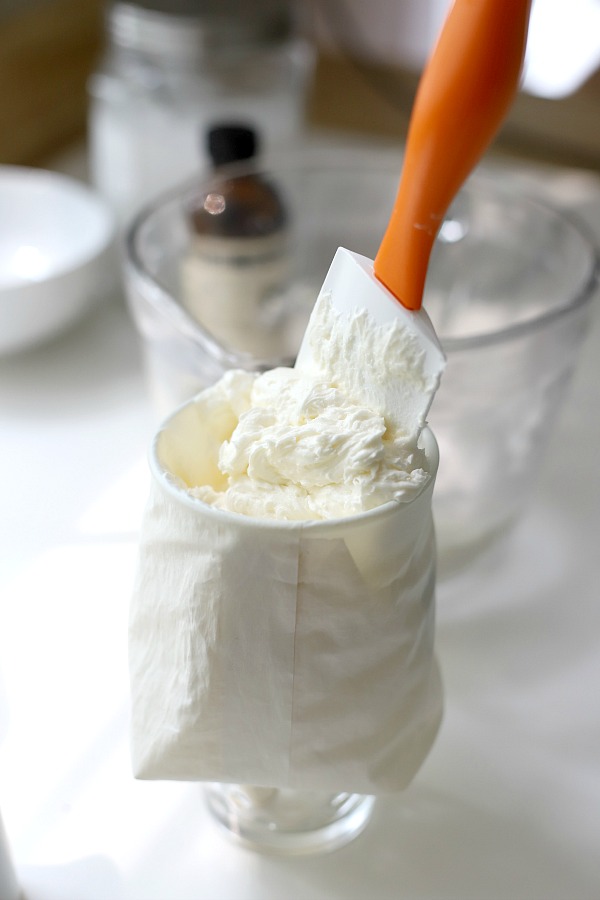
<point>351,288</point>
<point>352,285</point>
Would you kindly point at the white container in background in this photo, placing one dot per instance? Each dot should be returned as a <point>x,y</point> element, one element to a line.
<point>172,70</point>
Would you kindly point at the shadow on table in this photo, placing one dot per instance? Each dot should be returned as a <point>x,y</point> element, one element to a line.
<point>430,845</point>
<point>63,882</point>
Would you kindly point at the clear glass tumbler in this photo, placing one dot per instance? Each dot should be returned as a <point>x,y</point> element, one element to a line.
<point>291,662</point>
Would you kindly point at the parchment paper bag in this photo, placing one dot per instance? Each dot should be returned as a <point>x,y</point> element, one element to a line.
<point>281,654</point>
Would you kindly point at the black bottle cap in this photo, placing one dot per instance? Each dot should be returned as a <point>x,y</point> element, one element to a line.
<point>231,143</point>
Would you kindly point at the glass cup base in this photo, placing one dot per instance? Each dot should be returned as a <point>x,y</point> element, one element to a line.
<point>288,822</point>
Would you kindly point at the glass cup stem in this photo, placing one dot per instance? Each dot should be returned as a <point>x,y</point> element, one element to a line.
<point>284,821</point>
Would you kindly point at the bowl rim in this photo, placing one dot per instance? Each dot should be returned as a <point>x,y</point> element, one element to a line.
<point>354,159</point>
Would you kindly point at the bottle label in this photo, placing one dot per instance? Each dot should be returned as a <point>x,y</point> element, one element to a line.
<point>235,288</point>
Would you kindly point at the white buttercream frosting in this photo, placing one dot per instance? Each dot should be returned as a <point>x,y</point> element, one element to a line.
<point>319,444</point>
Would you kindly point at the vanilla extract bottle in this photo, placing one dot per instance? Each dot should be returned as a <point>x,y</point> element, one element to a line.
<point>235,272</point>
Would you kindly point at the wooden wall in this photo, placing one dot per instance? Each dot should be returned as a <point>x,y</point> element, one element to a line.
<point>48,48</point>
<point>47,51</point>
<point>351,94</point>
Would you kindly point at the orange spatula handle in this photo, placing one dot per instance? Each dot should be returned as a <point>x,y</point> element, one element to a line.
<point>464,94</point>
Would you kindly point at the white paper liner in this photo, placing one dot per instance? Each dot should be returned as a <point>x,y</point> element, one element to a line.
<point>281,654</point>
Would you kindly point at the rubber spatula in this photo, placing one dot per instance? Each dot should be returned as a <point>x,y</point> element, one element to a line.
<point>463,96</point>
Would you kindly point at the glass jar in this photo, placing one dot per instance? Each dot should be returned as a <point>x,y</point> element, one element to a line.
<point>172,70</point>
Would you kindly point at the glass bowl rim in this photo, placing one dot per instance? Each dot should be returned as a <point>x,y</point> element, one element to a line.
<point>353,159</point>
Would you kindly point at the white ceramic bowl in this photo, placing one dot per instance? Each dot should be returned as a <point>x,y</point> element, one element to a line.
<point>57,245</point>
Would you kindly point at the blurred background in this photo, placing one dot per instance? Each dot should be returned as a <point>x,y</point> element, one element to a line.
<point>365,70</point>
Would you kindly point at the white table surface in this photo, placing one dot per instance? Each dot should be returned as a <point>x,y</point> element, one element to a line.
<point>507,805</point>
